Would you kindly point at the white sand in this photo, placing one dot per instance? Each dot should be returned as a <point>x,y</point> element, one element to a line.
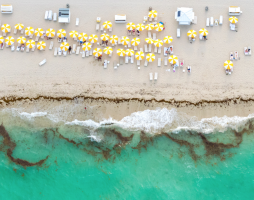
<point>73,75</point>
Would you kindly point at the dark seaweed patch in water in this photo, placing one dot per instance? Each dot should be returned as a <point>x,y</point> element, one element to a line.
<point>9,143</point>
<point>189,145</point>
<point>144,141</point>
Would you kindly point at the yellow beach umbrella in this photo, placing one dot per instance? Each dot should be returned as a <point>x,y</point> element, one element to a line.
<point>140,27</point>
<point>1,39</point>
<point>82,37</point>
<point>203,32</point>
<point>73,34</point>
<point>86,46</point>
<point>113,39</point>
<point>149,40</point>
<point>41,45</point>
<point>9,40</point>
<point>228,64</point>
<point>21,40</point>
<point>107,24</point>
<point>150,57</point>
<point>104,36</point>
<point>120,52</point>
<point>108,50</point>
<point>50,32</point>
<point>29,31</point>
<point>139,55</point>
<point>19,26</point>
<point>97,52</point>
<point>61,33</point>
<point>233,20</point>
<point>135,41</point>
<point>125,40</point>
<point>38,32</point>
<point>158,27</point>
<point>149,27</point>
<point>93,38</point>
<point>130,26</point>
<point>158,43</point>
<point>167,39</point>
<point>30,43</point>
<point>64,46</point>
<point>173,59</point>
<point>192,33</point>
<point>152,13</point>
<point>6,28</point>
<point>129,52</point>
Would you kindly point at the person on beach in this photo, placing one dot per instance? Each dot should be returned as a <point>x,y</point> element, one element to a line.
<point>138,33</point>
<point>69,49</point>
<point>106,42</point>
<point>102,43</point>
<point>100,57</point>
<point>133,32</point>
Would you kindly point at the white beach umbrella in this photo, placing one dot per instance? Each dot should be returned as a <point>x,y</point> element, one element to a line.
<point>125,40</point>
<point>93,38</point>
<point>150,57</point>
<point>113,39</point>
<point>120,52</point>
<point>129,52</point>
<point>139,55</point>
<point>38,32</point>
<point>64,46</point>
<point>30,43</point>
<point>167,39</point>
<point>61,33</point>
<point>21,40</point>
<point>86,46</point>
<point>140,27</point>
<point>97,52</point>
<point>130,26</point>
<point>233,20</point>
<point>6,28</point>
<point>108,50</point>
<point>50,32</point>
<point>158,43</point>
<point>73,34</point>
<point>135,41</point>
<point>107,24</point>
<point>152,13</point>
<point>29,31</point>
<point>9,40</point>
<point>172,59</point>
<point>41,45</point>
<point>228,64</point>
<point>19,26</point>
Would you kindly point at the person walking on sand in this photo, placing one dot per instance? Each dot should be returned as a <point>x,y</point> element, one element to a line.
<point>69,49</point>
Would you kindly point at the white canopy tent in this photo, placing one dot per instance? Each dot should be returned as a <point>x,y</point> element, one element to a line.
<point>184,15</point>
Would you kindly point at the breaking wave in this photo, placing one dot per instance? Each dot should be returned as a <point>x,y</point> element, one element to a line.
<point>150,121</point>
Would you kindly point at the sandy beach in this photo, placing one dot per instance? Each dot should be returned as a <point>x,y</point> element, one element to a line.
<point>74,76</point>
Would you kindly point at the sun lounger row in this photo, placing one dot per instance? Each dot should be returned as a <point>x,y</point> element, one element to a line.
<point>155,76</point>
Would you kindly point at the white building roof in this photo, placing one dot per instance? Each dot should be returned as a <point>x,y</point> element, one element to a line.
<point>184,15</point>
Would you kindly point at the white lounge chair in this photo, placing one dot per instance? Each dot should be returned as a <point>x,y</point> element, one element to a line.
<point>27,50</point>
<point>141,49</point>
<point>165,61</point>
<point>119,40</point>
<point>46,14</point>
<point>150,19</point>
<point>138,62</point>
<point>55,52</point>
<point>129,45</point>
<point>126,59</point>
<point>51,45</point>
<point>154,36</point>
<point>97,27</point>
<point>211,21</point>
<point>33,48</point>
<point>15,31</point>
<point>64,53</point>
<point>151,76</point>
<point>18,48</point>
<point>155,76</point>
<point>83,54</point>
<point>77,21</point>
<point>74,48</point>
<point>159,62</point>
<point>101,28</point>
<point>42,62</point>
<point>59,40</point>
<point>150,48</point>
<point>146,63</point>
<point>77,51</point>
<point>36,39</point>
<point>87,53</point>
<point>159,50</point>
<point>54,17</point>
<point>110,29</point>
<point>149,34</point>
<point>12,48</point>
<point>121,60</point>
<point>90,52</point>
<point>195,20</point>
<point>221,20</point>
<point>132,59</point>
<point>155,49</point>
<point>22,31</point>
<point>59,51</point>
<point>207,22</point>
<point>247,51</point>
<point>145,48</point>
<point>50,15</point>
<point>31,36</point>
<point>135,48</point>
<point>4,34</point>
<point>178,33</point>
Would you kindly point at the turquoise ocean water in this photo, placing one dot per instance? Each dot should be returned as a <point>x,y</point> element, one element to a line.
<point>60,160</point>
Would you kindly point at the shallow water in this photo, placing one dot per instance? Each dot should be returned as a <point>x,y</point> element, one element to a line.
<point>65,160</point>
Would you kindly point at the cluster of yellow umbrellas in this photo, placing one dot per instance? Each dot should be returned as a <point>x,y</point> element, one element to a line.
<point>6,28</point>
<point>233,20</point>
